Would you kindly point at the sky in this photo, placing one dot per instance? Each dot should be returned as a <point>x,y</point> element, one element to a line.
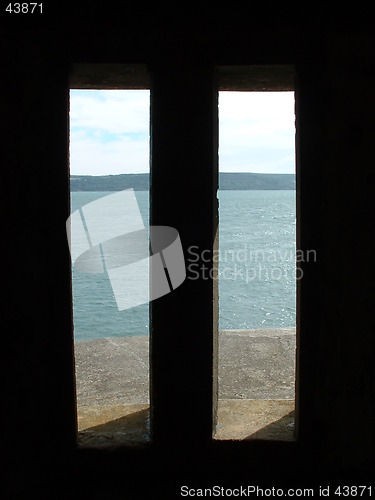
<point>109,132</point>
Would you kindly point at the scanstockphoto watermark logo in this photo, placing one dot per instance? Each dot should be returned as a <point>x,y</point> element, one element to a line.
<point>248,263</point>
<point>108,236</point>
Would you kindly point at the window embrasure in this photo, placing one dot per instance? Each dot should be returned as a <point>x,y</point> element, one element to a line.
<point>109,135</point>
<point>257,253</point>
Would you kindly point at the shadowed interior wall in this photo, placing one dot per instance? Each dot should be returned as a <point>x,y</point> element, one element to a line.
<point>184,176</point>
<point>334,61</point>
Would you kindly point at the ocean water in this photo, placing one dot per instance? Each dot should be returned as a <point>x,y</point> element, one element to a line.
<point>256,258</point>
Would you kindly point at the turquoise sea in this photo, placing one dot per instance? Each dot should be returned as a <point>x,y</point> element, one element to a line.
<point>257,280</point>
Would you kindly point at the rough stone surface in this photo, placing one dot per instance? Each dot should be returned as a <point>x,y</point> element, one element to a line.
<point>242,419</point>
<point>257,364</point>
<point>114,425</point>
<point>112,371</point>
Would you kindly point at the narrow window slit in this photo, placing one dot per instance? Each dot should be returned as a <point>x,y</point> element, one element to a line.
<point>109,155</point>
<point>257,266</point>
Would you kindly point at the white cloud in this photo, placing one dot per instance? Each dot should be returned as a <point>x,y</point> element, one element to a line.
<point>91,157</point>
<point>256,132</point>
<point>112,111</point>
<point>109,132</point>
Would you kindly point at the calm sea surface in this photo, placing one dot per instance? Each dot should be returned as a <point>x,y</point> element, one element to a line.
<point>256,257</point>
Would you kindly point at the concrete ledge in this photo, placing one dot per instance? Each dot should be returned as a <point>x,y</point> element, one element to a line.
<point>238,419</point>
<point>256,386</point>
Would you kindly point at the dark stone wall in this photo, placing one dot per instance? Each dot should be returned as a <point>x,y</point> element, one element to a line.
<point>334,61</point>
<point>37,362</point>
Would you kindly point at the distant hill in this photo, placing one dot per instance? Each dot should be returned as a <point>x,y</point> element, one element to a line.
<point>140,182</point>
<point>256,181</point>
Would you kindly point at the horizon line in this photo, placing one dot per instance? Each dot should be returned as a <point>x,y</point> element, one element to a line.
<point>148,173</point>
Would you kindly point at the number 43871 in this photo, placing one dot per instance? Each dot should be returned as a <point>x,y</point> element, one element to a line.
<point>24,8</point>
